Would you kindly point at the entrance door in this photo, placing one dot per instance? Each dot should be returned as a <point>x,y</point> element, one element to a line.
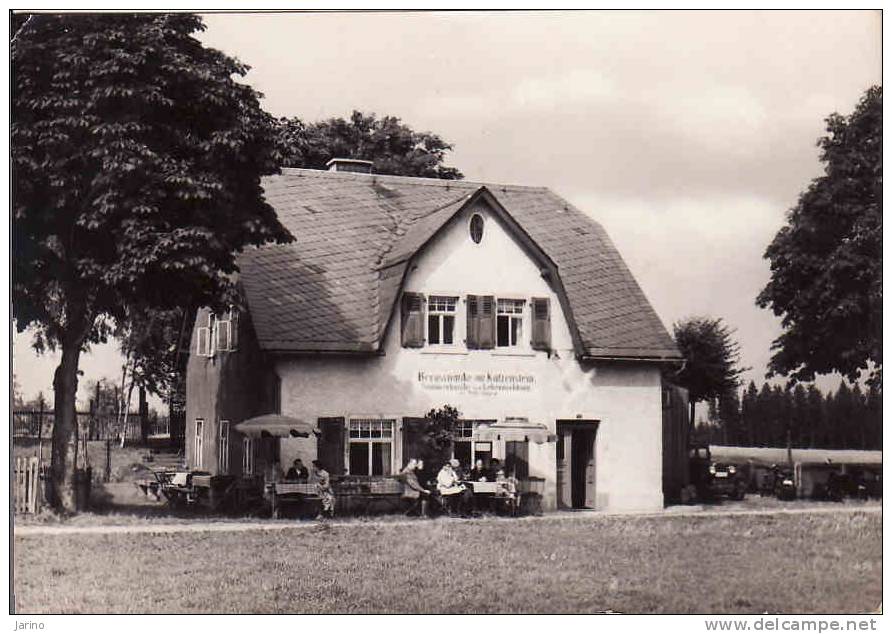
<point>576,463</point>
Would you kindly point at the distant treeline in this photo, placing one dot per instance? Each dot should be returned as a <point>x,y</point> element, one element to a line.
<point>850,418</point>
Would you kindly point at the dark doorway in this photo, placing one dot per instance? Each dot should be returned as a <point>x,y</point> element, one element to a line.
<point>576,463</point>
<point>582,454</point>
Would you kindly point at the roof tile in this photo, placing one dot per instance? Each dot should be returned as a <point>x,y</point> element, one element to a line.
<point>328,290</point>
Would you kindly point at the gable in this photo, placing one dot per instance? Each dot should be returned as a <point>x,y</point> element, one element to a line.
<point>334,288</point>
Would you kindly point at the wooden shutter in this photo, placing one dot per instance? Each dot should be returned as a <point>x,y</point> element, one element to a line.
<point>330,445</point>
<point>413,320</point>
<point>414,445</point>
<point>541,323</point>
<point>486,323</point>
<point>473,312</point>
<point>517,458</point>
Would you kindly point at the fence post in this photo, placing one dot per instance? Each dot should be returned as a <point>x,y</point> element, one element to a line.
<point>108,459</point>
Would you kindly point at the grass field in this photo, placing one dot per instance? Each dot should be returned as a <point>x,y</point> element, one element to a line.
<point>779,563</point>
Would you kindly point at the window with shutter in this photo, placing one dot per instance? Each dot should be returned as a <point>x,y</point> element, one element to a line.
<point>541,323</point>
<point>205,337</point>
<point>412,320</point>
<point>225,331</point>
<point>222,339</point>
<point>486,323</point>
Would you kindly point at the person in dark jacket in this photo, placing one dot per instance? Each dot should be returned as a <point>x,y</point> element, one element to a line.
<point>415,496</point>
<point>298,472</point>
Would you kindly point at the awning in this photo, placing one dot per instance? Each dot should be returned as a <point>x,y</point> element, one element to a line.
<point>514,429</point>
<point>276,425</point>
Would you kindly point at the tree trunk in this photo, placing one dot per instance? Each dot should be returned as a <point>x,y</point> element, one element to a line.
<point>143,415</point>
<point>61,492</point>
<point>693,424</point>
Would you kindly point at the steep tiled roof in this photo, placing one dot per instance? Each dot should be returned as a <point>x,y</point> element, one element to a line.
<point>334,288</point>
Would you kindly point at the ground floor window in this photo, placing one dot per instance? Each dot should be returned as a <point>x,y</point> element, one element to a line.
<point>198,448</point>
<point>371,446</point>
<point>465,448</point>
<point>248,456</point>
<point>223,457</point>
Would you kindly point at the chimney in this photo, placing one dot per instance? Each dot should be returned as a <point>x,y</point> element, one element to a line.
<point>349,165</point>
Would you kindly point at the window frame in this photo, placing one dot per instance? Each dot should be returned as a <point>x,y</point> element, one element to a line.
<point>435,311</point>
<point>223,454</point>
<point>391,421</point>
<point>475,215</point>
<point>248,462</point>
<point>198,445</point>
<point>516,315</point>
<point>230,323</point>
<point>471,438</point>
<point>206,334</point>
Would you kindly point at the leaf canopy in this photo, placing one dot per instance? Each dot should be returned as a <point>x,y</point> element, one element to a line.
<point>826,262</point>
<point>393,147</point>
<point>136,166</point>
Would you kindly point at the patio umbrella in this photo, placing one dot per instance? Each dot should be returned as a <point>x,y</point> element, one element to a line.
<point>517,429</point>
<point>276,425</point>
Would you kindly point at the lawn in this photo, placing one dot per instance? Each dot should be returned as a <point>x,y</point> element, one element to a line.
<point>779,563</point>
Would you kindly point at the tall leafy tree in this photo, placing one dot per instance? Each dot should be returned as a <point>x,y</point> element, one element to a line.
<point>826,263</point>
<point>712,358</point>
<point>749,413</point>
<point>136,165</point>
<point>799,416</point>
<point>393,146</point>
<point>816,416</point>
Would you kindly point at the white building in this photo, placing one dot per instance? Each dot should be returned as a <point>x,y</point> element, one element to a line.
<point>401,295</point>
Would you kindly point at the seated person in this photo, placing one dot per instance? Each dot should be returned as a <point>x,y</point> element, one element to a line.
<point>478,473</point>
<point>414,495</point>
<point>494,466</point>
<point>298,472</point>
<point>451,489</point>
<point>506,491</point>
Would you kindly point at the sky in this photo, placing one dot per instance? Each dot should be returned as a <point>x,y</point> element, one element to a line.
<point>687,135</point>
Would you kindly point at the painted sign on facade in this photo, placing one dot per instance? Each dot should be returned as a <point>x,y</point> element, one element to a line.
<point>482,383</point>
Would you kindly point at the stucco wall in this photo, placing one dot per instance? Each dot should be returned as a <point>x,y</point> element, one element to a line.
<point>494,384</point>
<point>231,386</point>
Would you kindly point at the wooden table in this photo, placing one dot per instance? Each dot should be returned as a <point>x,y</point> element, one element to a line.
<point>291,493</point>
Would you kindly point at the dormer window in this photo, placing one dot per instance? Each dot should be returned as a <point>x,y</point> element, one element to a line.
<point>441,320</point>
<point>509,323</point>
<point>476,228</point>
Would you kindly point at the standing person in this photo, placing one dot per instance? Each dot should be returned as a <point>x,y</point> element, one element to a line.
<point>322,480</point>
<point>415,496</point>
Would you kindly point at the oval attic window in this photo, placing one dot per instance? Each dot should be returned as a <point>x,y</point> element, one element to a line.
<point>477,228</point>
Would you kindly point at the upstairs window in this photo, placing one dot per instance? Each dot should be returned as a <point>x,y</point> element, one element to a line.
<point>204,336</point>
<point>475,228</point>
<point>441,320</point>
<point>226,331</point>
<point>509,323</point>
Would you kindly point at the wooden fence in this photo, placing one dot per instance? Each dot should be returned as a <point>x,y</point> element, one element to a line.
<point>96,426</point>
<point>28,482</point>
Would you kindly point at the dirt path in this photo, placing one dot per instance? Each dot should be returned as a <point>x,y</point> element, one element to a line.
<point>268,525</point>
